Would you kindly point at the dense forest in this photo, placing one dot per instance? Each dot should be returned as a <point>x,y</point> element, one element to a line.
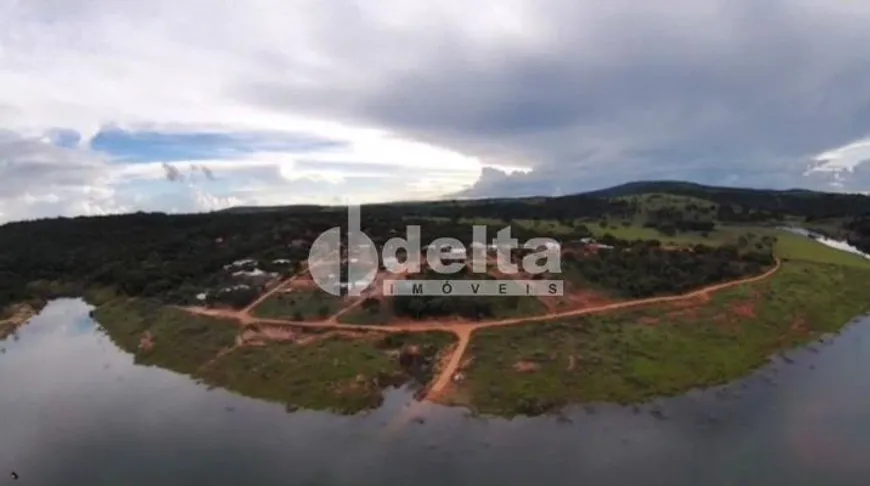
<point>435,306</point>
<point>173,257</point>
<point>644,269</point>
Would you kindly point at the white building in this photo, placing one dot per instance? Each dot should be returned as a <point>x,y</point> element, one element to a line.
<point>357,285</point>
<point>391,261</point>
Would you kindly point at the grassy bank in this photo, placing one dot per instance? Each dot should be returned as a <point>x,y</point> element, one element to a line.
<point>336,373</point>
<point>797,247</point>
<point>633,356</point>
<point>320,370</point>
<point>15,316</point>
<point>181,342</point>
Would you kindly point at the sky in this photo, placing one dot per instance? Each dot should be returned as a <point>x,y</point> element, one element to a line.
<point>112,106</point>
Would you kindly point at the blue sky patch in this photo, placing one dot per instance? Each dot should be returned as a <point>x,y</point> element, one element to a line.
<point>156,146</point>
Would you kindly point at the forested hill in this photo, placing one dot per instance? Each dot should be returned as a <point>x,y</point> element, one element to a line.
<point>172,256</point>
<point>794,202</point>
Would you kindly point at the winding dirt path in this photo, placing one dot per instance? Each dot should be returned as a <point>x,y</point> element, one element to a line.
<point>278,286</point>
<point>463,331</point>
<point>437,388</point>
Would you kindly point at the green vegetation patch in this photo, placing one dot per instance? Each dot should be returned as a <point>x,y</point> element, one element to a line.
<point>370,312</point>
<point>466,306</point>
<point>657,201</point>
<point>627,230</point>
<point>181,342</point>
<point>643,269</point>
<point>336,373</point>
<point>324,371</point>
<point>300,305</point>
<point>633,356</point>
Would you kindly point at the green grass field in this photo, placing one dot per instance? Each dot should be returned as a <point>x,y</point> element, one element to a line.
<point>182,342</point>
<point>654,201</point>
<point>379,316</point>
<point>720,235</point>
<point>300,305</point>
<point>797,247</point>
<point>336,373</point>
<point>634,356</point>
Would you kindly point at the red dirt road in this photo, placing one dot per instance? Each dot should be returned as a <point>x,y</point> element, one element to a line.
<point>463,331</point>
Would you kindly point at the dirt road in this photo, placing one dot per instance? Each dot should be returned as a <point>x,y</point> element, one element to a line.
<point>436,390</point>
<point>265,295</point>
<point>463,331</point>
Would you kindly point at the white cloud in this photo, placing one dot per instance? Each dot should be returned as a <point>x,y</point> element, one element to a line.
<point>423,94</point>
<point>85,66</point>
<point>842,159</point>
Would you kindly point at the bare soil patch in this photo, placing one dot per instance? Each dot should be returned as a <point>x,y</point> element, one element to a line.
<point>799,326</point>
<point>580,298</point>
<point>745,309</point>
<point>572,363</point>
<point>353,386</point>
<point>689,313</point>
<point>300,284</point>
<point>146,342</point>
<point>18,316</point>
<point>526,367</point>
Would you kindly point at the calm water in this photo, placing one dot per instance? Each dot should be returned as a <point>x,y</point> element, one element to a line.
<point>75,410</point>
<point>841,245</point>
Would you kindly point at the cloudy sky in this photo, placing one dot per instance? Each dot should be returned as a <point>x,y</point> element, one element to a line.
<point>193,105</point>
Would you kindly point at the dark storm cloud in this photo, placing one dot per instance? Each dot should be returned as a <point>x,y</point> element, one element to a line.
<point>737,92</point>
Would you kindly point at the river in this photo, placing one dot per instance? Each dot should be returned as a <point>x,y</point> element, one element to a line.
<point>75,410</point>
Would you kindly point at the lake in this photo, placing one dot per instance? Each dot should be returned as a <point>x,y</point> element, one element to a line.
<point>74,410</point>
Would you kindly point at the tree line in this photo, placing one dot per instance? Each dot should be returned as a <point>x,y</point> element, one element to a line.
<point>173,257</point>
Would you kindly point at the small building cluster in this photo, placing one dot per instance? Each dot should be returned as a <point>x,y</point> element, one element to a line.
<point>241,279</point>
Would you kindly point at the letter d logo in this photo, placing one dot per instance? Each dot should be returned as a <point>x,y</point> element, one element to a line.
<point>325,258</point>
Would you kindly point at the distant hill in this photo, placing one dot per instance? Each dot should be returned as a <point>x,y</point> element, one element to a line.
<point>688,189</point>
<point>701,191</point>
<point>301,208</point>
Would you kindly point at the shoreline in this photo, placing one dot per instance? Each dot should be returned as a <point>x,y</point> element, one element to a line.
<point>20,315</point>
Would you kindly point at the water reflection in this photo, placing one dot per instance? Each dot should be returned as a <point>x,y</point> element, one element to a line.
<point>75,410</point>
<point>829,242</point>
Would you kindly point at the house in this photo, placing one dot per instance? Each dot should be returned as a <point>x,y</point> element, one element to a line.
<point>599,246</point>
<point>255,276</point>
<point>457,252</point>
<point>357,285</point>
<point>240,263</point>
<point>391,261</point>
<point>452,252</point>
<point>494,247</point>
